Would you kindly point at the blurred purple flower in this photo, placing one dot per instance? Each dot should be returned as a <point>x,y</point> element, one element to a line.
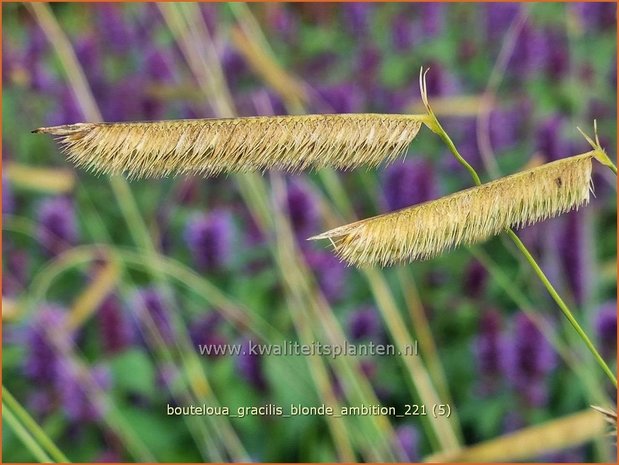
<point>204,332</point>
<point>530,52</point>
<point>573,253</point>
<point>159,64</point>
<point>439,82</point>
<point>357,17</point>
<point>342,98</point>
<point>57,225</point>
<point>475,279</point>
<point>318,66</point>
<point>407,438</point>
<point>233,65</point>
<point>249,366</point>
<point>505,127</point>
<point>89,57</point>
<point>210,16</point>
<point>572,455</point>
<point>67,111</point>
<point>47,340</point>
<point>596,15</point>
<point>530,359</point>
<point>36,45</point>
<point>364,323</point>
<point>151,308</point>
<point>330,272</point>
<point>41,401</point>
<point>499,17</point>
<point>404,33</point>
<point>368,65</point>
<point>128,102</point>
<point>31,61</point>
<point>550,141</point>
<point>302,206</point>
<point>9,62</point>
<point>432,19</point>
<point>408,183</point>
<point>112,28</point>
<point>489,348</point>
<point>209,239</point>
<point>115,327</point>
<point>606,328</point>
<point>79,403</point>
<point>8,201</point>
<point>282,22</point>
<point>15,276</point>
<point>558,59</point>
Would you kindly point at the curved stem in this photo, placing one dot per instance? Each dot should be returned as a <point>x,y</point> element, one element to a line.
<point>436,127</point>
<point>35,430</point>
<point>23,434</point>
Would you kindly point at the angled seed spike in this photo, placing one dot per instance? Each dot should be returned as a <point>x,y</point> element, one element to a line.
<point>470,216</point>
<point>212,146</point>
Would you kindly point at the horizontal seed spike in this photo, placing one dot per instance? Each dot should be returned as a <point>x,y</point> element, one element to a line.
<point>470,216</point>
<point>212,146</point>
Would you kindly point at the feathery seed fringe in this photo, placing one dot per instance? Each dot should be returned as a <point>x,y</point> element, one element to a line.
<point>470,216</point>
<point>209,147</point>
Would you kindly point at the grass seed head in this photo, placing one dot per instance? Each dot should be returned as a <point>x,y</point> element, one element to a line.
<point>209,147</point>
<point>467,217</point>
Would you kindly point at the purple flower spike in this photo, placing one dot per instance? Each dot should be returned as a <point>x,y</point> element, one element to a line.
<point>250,366</point>
<point>558,59</point>
<point>439,82</point>
<point>208,238</point>
<point>432,19</point>
<point>404,33</point>
<point>364,324</point>
<point>550,141</point>
<point>114,326</point>
<point>342,98</point>
<point>475,279</point>
<point>113,28</point>
<point>499,17</point>
<point>57,229</point>
<point>530,53</point>
<point>78,402</point>
<point>407,438</point>
<point>159,65</point>
<point>574,254</point>
<point>357,17</point>
<point>282,22</point>
<point>596,15</point>
<point>205,332</point>
<point>8,201</point>
<point>234,65</point>
<point>505,127</point>
<point>330,273</point>
<point>46,341</point>
<point>302,206</point>
<point>408,183</point>
<point>606,328</point>
<point>489,348</point>
<point>150,306</point>
<point>531,358</point>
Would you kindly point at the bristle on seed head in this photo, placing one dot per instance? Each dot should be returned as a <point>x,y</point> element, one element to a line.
<point>470,216</point>
<point>209,147</point>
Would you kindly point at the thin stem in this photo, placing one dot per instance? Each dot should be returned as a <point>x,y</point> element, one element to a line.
<point>26,438</point>
<point>436,127</point>
<point>562,305</point>
<point>32,426</point>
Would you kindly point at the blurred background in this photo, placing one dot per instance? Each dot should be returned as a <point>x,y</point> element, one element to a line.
<point>108,285</point>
